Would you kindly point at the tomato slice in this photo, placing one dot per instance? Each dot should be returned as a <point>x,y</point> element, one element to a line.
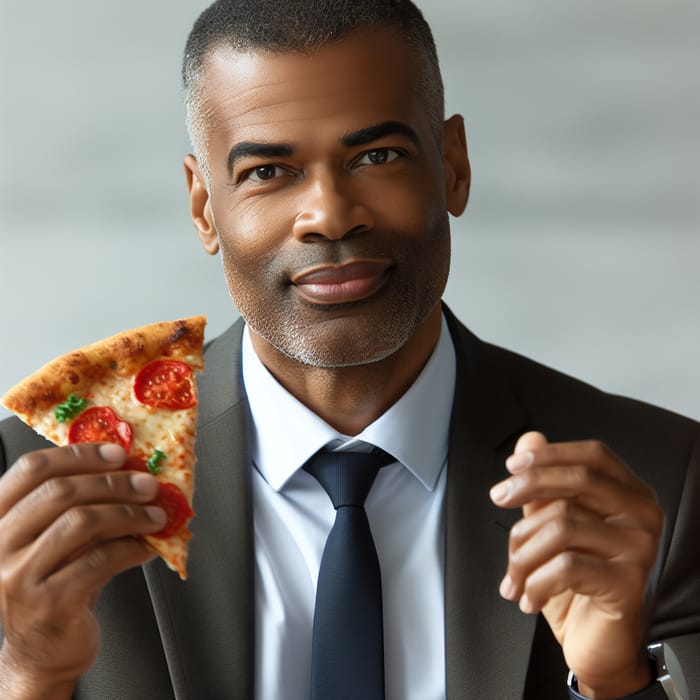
<point>169,498</point>
<point>166,384</point>
<point>101,424</point>
<point>174,503</point>
<point>135,464</point>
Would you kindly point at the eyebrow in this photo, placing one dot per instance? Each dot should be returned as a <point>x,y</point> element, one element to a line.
<point>379,131</point>
<point>252,149</point>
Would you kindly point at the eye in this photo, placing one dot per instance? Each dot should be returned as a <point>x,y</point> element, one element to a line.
<point>262,173</point>
<point>378,156</point>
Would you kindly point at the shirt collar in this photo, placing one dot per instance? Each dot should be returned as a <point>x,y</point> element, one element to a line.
<point>414,430</point>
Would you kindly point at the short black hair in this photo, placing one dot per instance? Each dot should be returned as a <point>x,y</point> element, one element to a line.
<point>300,26</point>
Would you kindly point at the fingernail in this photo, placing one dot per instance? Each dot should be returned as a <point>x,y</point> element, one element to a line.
<point>526,605</point>
<point>156,514</point>
<point>500,492</point>
<point>507,588</point>
<point>111,453</point>
<point>519,461</point>
<point>144,484</point>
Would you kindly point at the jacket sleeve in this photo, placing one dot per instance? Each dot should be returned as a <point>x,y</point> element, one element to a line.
<point>677,602</point>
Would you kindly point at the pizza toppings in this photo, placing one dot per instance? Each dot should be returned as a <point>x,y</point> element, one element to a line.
<point>153,464</point>
<point>174,503</point>
<point>141,465</point>
<point>100,424</point>
<point>135,464</point>
<point>170,498</point>
<point>166,384</point>
<point>70,408</point>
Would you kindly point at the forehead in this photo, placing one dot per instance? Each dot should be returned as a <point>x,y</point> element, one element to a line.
<point>368,77</point>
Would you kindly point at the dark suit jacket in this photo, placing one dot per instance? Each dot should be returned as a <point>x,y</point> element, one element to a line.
<point>163,638</point>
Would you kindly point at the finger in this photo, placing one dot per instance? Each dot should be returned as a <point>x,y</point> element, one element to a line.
<point>570,529</point>
<point>78,582</point>
<point>591,488</point>
<point>37,510</point>
<point>565,509</point>
<point>85,576</point>
<point>525,448</point>
<point>615,585</point>
<point>530,441</point>
<point>82,528</point>
<point>592,453</point>
<point>33,468</point>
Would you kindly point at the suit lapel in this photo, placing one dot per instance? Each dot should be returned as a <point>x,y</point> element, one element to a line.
<point>487,638</point>
<point>207,622</point>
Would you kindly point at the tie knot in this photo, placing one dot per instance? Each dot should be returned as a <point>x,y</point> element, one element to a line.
<point>347,477</point>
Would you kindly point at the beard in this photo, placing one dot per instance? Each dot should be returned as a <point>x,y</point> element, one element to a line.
<point>340,335</point>
<point>341,339</point>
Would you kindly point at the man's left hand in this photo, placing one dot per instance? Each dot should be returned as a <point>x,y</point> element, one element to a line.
<point>582,555</point>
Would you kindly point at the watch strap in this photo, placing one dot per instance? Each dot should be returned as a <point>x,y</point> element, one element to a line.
<point>655,691</point>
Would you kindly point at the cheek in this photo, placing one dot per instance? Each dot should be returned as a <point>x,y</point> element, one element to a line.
<point>411,205</point>
<point>247,239</point>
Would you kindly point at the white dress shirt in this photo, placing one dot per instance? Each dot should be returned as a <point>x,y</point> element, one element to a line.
<point>293,516</point>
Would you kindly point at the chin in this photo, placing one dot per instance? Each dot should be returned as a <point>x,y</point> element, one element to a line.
<point>349,355</point>
<point>363,334</point>
<point>335,353</point>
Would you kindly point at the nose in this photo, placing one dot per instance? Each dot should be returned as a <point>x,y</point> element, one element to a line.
<point>332,208</point>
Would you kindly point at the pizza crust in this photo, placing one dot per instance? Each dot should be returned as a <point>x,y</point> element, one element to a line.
<point>122,355</point>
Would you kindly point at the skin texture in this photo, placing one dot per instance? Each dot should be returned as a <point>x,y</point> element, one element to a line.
<point>336,251</point>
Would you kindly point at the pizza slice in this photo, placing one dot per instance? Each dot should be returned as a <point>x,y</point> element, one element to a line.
<point>136,389</point>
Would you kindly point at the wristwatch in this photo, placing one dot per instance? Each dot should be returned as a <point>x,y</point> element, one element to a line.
<point>668,671</point>
<point>670,681</point>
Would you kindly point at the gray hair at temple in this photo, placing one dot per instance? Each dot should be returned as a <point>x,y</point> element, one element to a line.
<point>301,26</point>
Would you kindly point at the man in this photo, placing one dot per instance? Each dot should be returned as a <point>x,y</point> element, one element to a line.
<point>323,174</point>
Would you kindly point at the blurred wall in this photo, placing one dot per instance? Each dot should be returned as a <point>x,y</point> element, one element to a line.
<point>580,247</point>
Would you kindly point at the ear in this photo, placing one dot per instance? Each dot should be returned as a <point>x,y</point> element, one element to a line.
<point>200,205</point>
<point>458,174</point>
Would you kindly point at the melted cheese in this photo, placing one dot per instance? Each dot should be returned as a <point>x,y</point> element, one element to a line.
<point>171,432</point>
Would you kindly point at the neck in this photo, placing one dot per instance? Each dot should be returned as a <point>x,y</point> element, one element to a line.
<point>350,398</point>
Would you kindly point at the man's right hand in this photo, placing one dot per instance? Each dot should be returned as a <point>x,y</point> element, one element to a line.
<point>68,517</point>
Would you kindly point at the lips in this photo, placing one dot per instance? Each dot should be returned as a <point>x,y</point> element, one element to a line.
<point>341,284</point>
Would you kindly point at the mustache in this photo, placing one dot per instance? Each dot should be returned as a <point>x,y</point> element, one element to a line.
<point>335,253</point>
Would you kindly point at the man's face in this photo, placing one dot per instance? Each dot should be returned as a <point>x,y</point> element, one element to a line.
<point>327,197</point>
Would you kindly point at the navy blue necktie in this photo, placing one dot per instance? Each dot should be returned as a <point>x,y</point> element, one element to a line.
<point>347,660</point>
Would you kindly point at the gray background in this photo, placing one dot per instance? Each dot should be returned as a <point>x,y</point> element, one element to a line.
<point>580,246</point>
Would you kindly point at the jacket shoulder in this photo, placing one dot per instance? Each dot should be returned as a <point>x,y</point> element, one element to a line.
<point>658,442</point>
<point>553,393</point>
<point>17,438</point>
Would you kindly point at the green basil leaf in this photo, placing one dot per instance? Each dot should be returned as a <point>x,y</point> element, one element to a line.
<point>70,408</point>
<point>153,463</point>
